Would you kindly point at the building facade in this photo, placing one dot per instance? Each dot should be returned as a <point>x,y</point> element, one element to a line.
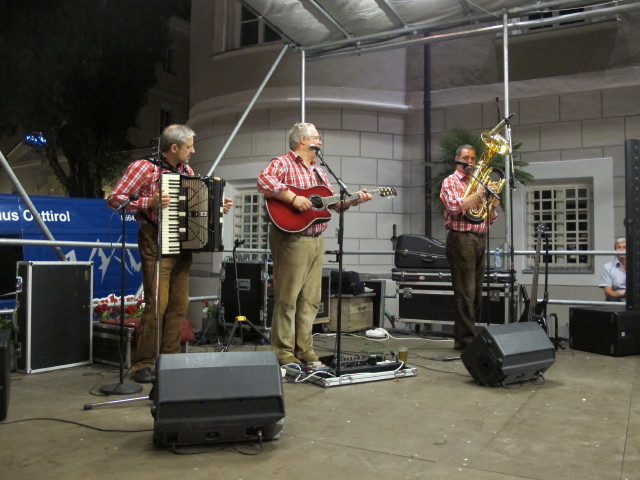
<point>574,92</point>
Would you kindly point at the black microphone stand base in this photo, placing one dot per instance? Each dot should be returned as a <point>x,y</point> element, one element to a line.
<point>121,388</point>
<point>556,340</point>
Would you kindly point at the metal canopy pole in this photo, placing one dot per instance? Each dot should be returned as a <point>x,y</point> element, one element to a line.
<point>508,172</point>
<point>303,85</point>
<point>30,206</point>
<point>247,110</point>
<point>508,158</point>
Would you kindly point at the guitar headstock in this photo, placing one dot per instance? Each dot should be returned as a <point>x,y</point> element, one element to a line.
<point>387,192</point>
<point>541,231</point>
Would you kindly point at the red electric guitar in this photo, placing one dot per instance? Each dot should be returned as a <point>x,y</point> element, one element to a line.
<point>534,310</point>
<point>288,219</point>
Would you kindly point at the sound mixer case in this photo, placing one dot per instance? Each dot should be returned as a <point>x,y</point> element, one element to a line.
<point>606,330</point>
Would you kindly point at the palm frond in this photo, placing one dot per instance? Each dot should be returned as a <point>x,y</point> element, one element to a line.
<point>450,143</point>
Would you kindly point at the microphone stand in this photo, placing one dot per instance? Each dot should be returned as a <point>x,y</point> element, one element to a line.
<point>122,388</point>
<point>344,192</point>
<point>511,258</point>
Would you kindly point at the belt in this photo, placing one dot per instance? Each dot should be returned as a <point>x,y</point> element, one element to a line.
<point>475,234</point>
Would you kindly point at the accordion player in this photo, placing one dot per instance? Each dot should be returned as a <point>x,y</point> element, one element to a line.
<point>193,221</point>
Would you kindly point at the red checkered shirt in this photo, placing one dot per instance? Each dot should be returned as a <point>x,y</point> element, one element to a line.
<point>288,170</point>
<point>452,194</point>
<point>142,177</point>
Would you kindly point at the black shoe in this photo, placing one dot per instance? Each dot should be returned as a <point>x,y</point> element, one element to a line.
<point>144,375</point>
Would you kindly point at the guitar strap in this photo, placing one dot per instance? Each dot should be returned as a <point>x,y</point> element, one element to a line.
<point>163,163</point>
<point>319,176</point>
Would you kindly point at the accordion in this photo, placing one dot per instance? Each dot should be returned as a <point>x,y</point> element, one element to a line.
<point>193,220</point>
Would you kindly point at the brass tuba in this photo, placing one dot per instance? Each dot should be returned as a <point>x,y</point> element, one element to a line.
<point>494,143</point>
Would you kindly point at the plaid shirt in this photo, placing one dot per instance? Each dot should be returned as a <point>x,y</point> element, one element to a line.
<point>452,194</point>
<point>288,170</point>
<point>142,177</point>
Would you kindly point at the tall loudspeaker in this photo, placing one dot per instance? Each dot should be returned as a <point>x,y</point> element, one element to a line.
<point>204,398</point>
<point>513,352</point>
<point>632,221</point>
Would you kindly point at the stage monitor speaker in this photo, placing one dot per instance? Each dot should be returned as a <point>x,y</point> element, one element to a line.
<point>217,397</point>
<point>5,367</point>
<point>509,353</point>
<point>607,330</point>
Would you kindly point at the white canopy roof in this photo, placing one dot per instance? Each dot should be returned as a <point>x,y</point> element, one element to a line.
<point>339,27</point>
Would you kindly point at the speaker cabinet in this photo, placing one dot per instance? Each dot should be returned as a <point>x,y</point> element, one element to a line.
<point>252,289</point>
<point>54,315</point>
<point>607,330</point>
<point>204,398</point>
<point>513,352</point>
<point>5,362</point>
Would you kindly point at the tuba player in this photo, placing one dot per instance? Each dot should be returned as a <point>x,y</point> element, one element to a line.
<point>465,244</point>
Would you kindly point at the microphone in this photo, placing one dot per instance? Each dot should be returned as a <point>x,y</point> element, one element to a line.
<point>132,198</point>
<point>464,164</point>
<point>237,242</point>
<point>313,147</point>
<point>500,126</point>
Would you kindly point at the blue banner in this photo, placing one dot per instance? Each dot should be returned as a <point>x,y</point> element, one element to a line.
<point>76,219</point>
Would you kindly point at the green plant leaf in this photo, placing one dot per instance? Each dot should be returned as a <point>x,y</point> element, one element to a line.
<point>445,165</point>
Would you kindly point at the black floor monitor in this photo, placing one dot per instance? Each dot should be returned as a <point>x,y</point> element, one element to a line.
<point>204,398</point>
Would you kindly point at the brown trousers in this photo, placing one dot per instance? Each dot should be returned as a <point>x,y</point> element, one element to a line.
<point>297,285</point>
<point>465,253</point>
<point>173,299</point>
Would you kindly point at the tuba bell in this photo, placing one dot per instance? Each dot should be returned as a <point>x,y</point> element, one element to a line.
<point>495,144</point>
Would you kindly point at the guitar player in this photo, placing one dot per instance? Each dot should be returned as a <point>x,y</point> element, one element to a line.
<point>613,279</point>
<point>297,256</point>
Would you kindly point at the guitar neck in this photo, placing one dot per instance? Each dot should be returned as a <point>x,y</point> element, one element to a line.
<point>536,271</point>
<point>333,199</point>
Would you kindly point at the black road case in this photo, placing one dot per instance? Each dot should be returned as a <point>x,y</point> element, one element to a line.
<point>54,314</point>
<point>426,296</point>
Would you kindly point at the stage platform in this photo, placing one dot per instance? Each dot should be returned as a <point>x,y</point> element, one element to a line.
<point>582,423</point>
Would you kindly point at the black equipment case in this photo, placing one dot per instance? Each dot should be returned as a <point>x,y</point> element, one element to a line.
<point>607,330</point>
<point>54,315</point>
<point>426,296</point>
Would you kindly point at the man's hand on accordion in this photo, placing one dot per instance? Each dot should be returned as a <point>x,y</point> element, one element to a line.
<point>155,200</point>
<point>228,203</point>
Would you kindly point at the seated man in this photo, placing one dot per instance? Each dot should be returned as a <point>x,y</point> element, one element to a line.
<point>614,275</point>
